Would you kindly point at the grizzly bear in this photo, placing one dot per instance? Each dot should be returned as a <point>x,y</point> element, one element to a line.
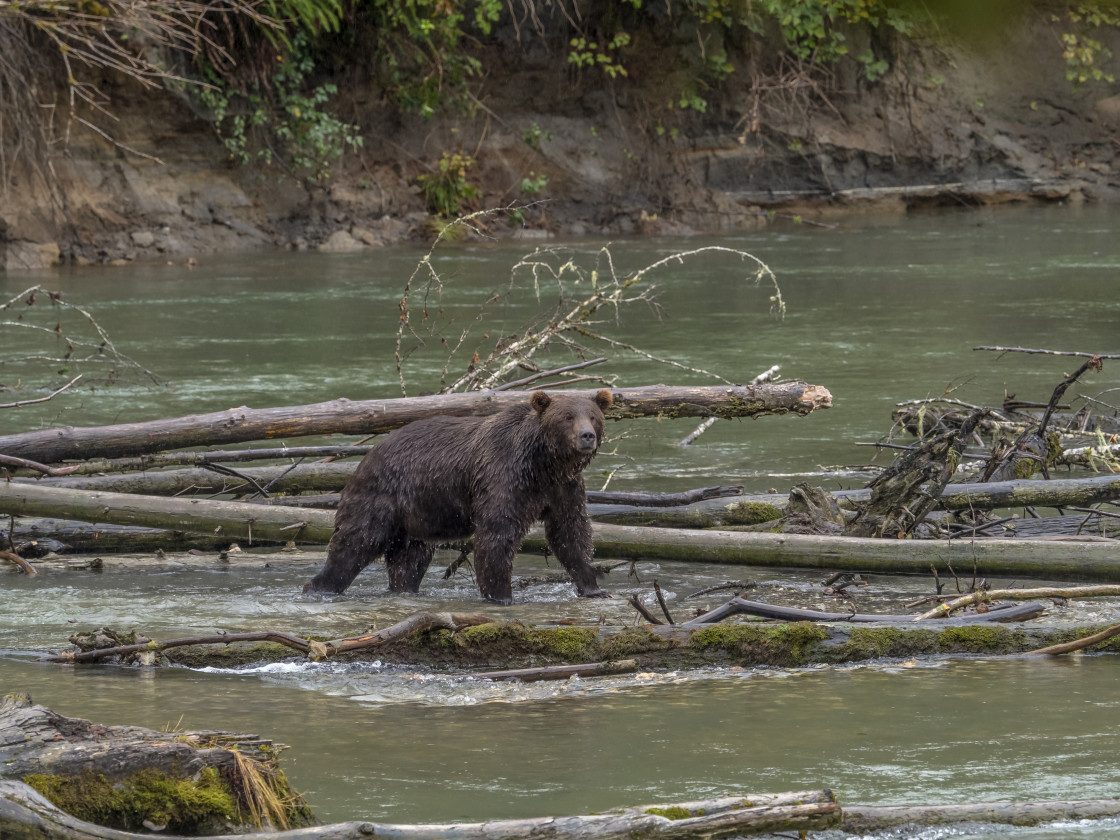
<point>446,478</point>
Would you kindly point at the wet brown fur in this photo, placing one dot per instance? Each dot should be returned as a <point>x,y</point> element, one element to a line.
<point>442,479</point>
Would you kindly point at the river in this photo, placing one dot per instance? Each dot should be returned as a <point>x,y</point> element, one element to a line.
<point>878,311</point>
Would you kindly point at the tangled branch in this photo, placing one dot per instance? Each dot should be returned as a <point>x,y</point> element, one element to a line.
<point>85,344</point>
<point>574,322</point>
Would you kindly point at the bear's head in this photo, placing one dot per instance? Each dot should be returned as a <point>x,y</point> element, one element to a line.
<point>572,425</point>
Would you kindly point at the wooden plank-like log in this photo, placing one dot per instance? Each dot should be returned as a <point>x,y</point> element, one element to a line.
<point>24,815</point>
<point>235,521</point>
<point>366,417</point>
<point>1056,559</point>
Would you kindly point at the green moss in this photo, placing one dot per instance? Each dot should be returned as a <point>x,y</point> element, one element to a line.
<point>785,645</point>
<point>632,641</point>
<point>751,513</point>
<point>675,812</point>
<point>879,642</point>
<point>184,806</point>
<point>228,656</point>
<point>982,638</point>
<point>570,644</point>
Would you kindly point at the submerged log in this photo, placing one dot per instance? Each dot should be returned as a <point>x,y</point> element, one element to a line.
<point>367,417</point>
<point>465,647</point>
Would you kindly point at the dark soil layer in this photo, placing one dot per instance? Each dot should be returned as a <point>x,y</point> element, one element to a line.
<point>955,121</point>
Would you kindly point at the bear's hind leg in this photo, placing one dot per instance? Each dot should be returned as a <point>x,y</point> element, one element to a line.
<point>407,562</point>
<point>351,549</point>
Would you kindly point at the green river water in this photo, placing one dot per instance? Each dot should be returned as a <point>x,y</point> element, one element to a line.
<point>878,312</point>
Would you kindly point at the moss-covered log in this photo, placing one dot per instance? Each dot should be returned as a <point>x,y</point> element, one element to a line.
<point>509,645</point>
<point>26,816</point>
<point>129,778</point>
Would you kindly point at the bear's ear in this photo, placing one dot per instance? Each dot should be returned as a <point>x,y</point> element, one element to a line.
<point>604,399</point>
<point>540,401</point>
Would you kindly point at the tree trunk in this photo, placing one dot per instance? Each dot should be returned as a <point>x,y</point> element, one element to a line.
<point>1051,559</point>
<point>714,513</point>
<point>366,417</point>
<point>131,777</point>
<point>864,819</point>
<point>232,520</point>
<point>26,816</point>
<point>34,538</point>
<point>286,478</point>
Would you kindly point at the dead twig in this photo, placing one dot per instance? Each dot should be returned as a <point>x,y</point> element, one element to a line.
<point>1102,591</point>
<point>1080,644</point>
<point>28,569</point>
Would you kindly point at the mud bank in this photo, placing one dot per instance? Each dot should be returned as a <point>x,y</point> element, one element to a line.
<point>970,124</point>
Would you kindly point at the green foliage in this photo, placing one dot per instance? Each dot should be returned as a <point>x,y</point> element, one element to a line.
<point>419,48</point>
<point>534,135</point>
<point>307,17</point>
<point>447,189</point>
<point>284,124</point>
<point>533,184</point>
<point>1083,54</point>
<point>591,54</point>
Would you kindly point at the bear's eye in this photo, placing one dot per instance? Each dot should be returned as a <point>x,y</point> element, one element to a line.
<point>569,417</point>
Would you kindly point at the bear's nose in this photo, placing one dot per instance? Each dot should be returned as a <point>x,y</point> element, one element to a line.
<point>587,440</point>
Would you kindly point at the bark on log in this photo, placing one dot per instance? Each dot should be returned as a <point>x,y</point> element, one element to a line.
<point>27,816</point>
<point>984,595</point>
<point>1052,559</point>
<point>366,417</point>
<point>863,819</point>
<point>234,521</point>
<point>280,479</point>
<point>995,494</point>
<point>1020,612</point>
<point>36,537</point>
<point>34,739</point>
<point>560,672</point>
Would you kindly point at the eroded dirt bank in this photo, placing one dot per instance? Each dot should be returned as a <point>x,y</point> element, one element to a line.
<point>967,123</point>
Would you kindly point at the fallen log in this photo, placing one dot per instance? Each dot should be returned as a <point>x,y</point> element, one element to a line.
<point>25,815</point>
<point>864,819</point>
<point>984,595</point>
<point>315,650</point>
<point>996,494</point>
<point>36,537</point>
<point>231,520</point>
<point>160,460</point>
<point>560,672</point>
<point>82,763</point>
<point>279,479</point>
<point>1054,559</point>
<point>473,647</point>
<point>368,417</point>
<point>1020,612</point>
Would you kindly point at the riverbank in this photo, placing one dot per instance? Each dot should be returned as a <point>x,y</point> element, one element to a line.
<point>953,122</point>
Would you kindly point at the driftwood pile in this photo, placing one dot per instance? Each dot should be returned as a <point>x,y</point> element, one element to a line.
<point>129,475</point>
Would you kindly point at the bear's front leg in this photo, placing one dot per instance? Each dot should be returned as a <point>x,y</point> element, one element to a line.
<point>493,562</point>
<point>567,527</point>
